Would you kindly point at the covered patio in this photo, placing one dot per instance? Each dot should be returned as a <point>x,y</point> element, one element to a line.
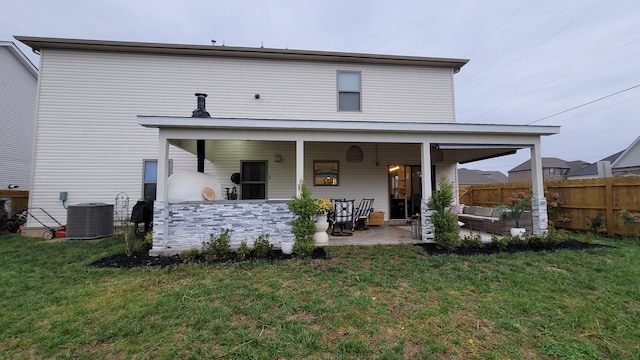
<point>390,235</point>
<point>441,146</point>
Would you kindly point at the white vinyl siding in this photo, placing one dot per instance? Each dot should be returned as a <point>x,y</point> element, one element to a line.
<point>89,102</point>
<point>17,117</point>
<point>630,158</point>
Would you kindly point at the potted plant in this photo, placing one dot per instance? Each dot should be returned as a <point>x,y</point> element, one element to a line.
<point>519,205</point>
<point>323,207</point>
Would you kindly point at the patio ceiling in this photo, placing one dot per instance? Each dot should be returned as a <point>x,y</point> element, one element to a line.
<point>450,142</point>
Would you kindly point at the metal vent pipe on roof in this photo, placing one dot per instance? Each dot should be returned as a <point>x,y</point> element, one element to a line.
<point>201,112</point>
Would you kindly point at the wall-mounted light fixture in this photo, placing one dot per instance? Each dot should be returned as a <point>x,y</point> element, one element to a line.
<point>277,158</point>
<point>256,96</point>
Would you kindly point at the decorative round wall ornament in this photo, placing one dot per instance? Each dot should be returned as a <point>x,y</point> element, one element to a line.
<point>354,154</point>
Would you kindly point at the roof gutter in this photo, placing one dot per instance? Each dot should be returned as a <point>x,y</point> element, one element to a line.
<point>40,43</point>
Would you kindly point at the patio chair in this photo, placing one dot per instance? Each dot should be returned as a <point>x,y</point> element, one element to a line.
<point>362,214</point>
<point>342,216</point>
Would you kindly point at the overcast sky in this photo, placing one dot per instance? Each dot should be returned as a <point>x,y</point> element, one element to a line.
<point>529,59</point>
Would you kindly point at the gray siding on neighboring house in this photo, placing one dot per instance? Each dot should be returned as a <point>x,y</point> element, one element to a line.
<point>18,85</point>
<point>89,102</point>
<point>629,161</point>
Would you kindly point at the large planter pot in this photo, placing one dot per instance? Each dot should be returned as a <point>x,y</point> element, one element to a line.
<point>287,247</point>
<point>321,237</point>
<point>517,232</point>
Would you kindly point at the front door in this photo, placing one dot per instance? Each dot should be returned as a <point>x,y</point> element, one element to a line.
<point>405,191</point>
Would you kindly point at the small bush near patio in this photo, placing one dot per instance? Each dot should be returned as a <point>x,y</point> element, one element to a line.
<point>370,302</point>
<point>303,226</point>
<point>218,246</point>
<point>262,247</point>
<point>444,221</point>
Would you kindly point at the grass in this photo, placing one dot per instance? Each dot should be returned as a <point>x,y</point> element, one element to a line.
<point>379,302</point>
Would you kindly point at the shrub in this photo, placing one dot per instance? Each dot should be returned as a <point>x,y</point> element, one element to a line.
<point>243,250</point>
<point>551,238</point>
<point>470,241</point>
<point>304,247</point>
<point>555,236</point>
<point>630,218</point>
<point>148,238</point>
<point>217,247</point>
<point>303,226</point>
<point>500,242</point>
<point>596,223</point>
<point>190,255</point>
<point>444,222</point>
<point>132,243</point>
<point>537,241</point>
<point>262,247</point>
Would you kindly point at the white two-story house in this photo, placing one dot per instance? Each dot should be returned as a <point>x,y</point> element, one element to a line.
<point>116,117</point>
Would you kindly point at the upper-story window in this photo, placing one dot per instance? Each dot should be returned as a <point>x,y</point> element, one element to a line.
<point>349,90</point>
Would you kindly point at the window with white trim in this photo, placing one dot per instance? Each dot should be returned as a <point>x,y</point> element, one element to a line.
<point>349,90</point>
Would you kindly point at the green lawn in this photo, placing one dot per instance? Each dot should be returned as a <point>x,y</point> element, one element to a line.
<point>381,302</point>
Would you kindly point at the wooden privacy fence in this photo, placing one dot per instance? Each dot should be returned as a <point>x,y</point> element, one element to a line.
<point>19,199</point>
<point>577,201</point>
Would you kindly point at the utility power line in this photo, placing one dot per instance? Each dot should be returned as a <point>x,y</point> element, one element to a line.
<point>533,48</point>
<point>585,104</point>
<point>498,28</point>
<point>557,78</point>
<point>598,109</point>
<point>514,46</point>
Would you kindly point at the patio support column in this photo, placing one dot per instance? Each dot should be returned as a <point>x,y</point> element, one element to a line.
<point>163,160</point>
<point>299,164</point>
<point>539,215</point>
<point>161,205</point>
<point>428,232</point>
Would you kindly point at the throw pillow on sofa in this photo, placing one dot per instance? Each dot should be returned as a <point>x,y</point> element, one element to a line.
<point>457,209</point>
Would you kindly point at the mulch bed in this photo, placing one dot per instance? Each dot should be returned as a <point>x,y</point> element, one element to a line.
<point>121,260</point>
<point>143,259</point>
<point>489,249</point>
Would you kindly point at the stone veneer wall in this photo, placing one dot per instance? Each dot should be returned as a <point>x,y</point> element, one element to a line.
<point>540,216</point>
<point>428,230</point>
<point>182,226</point>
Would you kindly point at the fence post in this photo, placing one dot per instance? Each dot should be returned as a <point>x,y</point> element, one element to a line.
<point>608,206</point>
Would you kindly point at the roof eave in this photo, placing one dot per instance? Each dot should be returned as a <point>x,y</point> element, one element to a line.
<point>21,57</point>
<point>40,43</point>
<point>356,126</point>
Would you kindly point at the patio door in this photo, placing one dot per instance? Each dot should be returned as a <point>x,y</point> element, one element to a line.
<point>253,180</point>
<point>405,190</point>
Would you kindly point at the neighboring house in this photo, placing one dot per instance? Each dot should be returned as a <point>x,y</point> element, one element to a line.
<point>471,177</point>
<point>599,169</point>
<point>628,163</point>
<point>552,169</point>
<point>622,163</point>
<point>18,84</point>
<point>116,117</point>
